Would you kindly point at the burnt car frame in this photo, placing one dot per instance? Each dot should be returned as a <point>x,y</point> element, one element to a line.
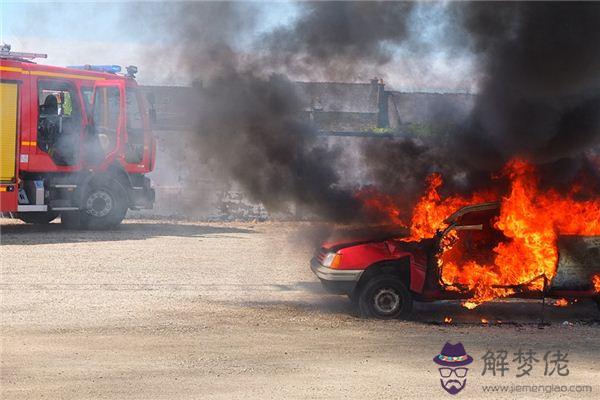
<point>383,276</point>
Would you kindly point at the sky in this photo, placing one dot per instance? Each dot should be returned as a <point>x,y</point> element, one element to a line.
<point>76,33</point>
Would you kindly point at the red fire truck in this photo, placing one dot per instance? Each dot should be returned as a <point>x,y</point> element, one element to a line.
<point>74,142</point>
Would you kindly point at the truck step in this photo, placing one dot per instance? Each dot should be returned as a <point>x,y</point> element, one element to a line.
<point>31,208</point>
<point>64,186</point>
<point>62,204</point>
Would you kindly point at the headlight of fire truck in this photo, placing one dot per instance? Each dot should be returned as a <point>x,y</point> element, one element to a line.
<point>332,260</point>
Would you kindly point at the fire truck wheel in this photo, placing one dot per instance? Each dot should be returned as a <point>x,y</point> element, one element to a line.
<point>38,218</point>
<point>104,206</point>
<point>385,297</point>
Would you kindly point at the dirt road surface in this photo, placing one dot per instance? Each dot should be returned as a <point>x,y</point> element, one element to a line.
<point>173,310</point>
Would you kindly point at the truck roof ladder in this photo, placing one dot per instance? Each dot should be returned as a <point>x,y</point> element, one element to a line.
<point>6,53</point>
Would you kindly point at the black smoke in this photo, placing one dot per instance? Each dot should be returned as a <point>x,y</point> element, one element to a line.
<point>339,38</point>
<point>250,122</point>
<point>539,95</point>
<point>250,128</point>
<point>539,100</point>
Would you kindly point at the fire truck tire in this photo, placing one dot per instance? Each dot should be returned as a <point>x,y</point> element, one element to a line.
<point>38,218</point>
<point>385,297</point>
<point>104,206</point>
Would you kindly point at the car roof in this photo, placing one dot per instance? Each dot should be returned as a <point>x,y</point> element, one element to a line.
<point>472,208</point>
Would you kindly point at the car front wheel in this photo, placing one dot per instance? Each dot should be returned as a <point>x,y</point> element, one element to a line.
<point>385,297</point>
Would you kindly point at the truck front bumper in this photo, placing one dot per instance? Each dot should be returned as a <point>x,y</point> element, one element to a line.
<point>142,196</point>
<point>338,281</point>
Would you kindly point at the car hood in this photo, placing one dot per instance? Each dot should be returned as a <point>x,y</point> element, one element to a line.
<point>347,238</point>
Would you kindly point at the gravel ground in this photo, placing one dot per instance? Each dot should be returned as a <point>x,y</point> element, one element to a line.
<point>173,310</point>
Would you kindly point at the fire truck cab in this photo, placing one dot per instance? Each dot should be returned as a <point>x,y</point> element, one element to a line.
<point>74,142</point>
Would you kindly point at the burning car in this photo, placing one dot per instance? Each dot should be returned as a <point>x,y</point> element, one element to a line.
<point>383,277</point>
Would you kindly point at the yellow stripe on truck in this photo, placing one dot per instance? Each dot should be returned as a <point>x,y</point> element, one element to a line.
<point>11,69</point>
<point>8,130</point>
<point>33,143</point>
<point>61,75</point>
<point>52,74</point>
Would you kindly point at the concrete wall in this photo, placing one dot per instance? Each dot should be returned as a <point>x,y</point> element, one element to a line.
<point>185,185</point>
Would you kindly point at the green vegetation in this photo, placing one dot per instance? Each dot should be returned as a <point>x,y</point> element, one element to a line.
<point>410,128</point>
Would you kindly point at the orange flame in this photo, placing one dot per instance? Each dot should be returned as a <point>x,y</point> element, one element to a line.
<point>447,320</point>
<point>431,210</point>
<point>382,203</point>
<point>561,303</point>
<point>596,282</point>
<point>484,320</point>
<point>531,220</point>
<point>525,254</point>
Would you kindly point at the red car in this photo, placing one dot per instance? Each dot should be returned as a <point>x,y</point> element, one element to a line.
<point>382,277</point>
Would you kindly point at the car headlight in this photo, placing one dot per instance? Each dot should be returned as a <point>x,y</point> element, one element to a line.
<point>332,260</point>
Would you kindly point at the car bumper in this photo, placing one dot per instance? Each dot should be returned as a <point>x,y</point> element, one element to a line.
<point>337,281</point>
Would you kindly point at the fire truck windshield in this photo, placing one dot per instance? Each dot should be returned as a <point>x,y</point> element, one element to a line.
<point>135,127</point>
<point>106,116</point>
<point>134,115</point>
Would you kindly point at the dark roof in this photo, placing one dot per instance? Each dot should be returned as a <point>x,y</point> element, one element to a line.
<point>332,106</point>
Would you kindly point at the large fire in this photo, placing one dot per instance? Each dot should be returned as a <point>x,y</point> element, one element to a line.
<point>525,253</point>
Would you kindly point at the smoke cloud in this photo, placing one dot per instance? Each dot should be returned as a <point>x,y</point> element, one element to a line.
<point>539,95</point>
<point>250,130</point>
<point>339,39</point>
<point>540,98</point>
<point>248,116</point>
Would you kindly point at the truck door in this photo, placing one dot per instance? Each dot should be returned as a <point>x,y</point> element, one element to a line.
<point>104,135</point>
<point>139,141</point>
<point>60,121</point>
<point>134,148</point>
<point>9,96</point>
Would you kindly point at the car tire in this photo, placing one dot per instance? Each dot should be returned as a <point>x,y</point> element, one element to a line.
<point>385,297</point>
<point>38,218</point>
<point>353,297</point>
<point>103,206</point>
